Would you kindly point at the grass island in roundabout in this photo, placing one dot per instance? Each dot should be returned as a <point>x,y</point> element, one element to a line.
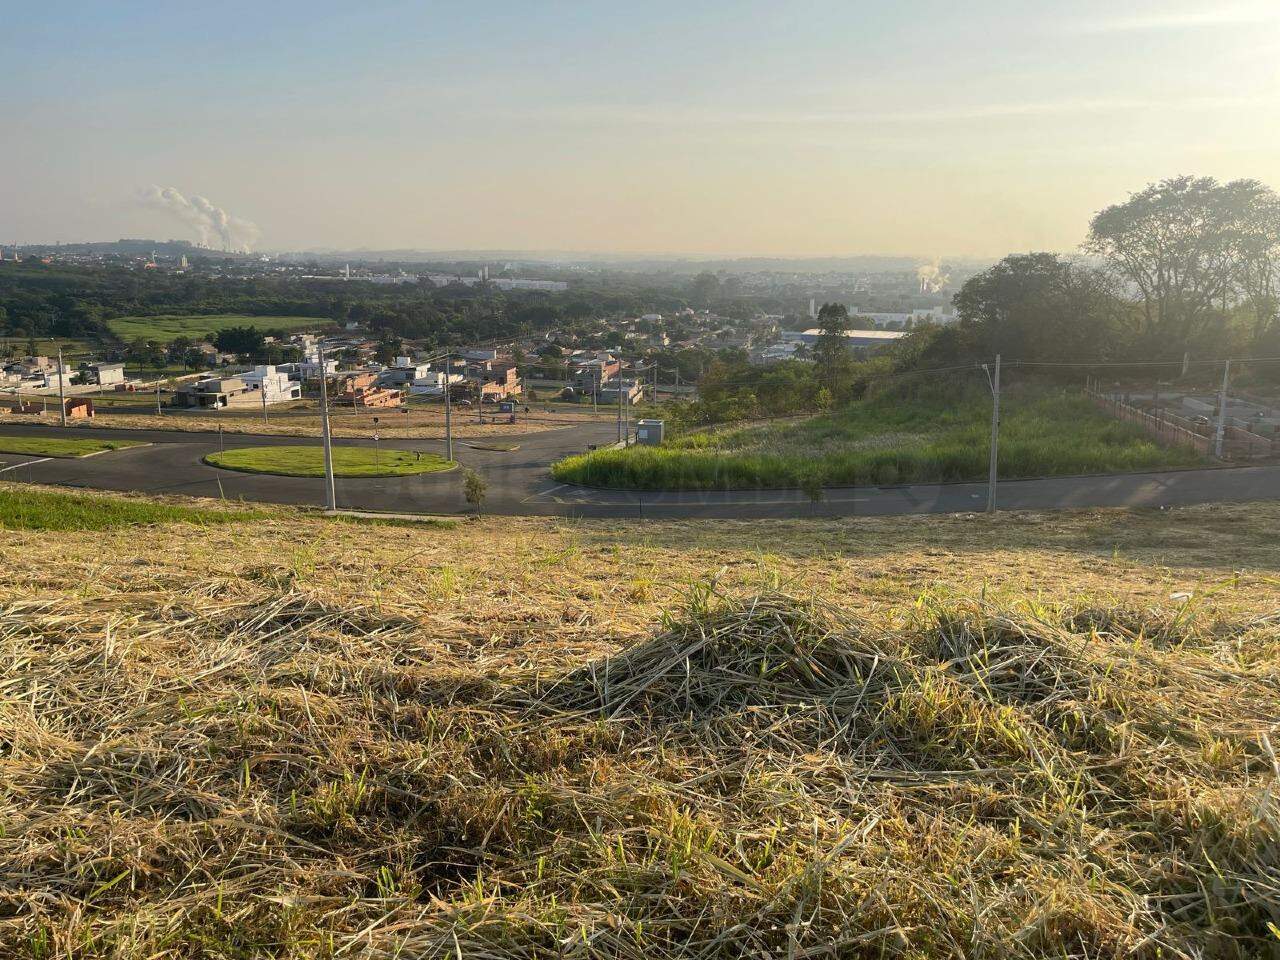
<point>308,461</point>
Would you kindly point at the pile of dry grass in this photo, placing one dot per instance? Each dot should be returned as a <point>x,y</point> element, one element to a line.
<point>232,772</point>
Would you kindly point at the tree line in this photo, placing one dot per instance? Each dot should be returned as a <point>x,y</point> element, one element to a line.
<point>1186,266</point>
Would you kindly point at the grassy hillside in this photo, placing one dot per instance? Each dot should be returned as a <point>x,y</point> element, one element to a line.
<point>886,441</point>
<point>1023,737</point>
<point>164,329</point>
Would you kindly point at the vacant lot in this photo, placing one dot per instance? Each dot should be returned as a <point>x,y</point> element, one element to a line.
<point>886,441</point>
<point>935,737</point>
<point>164,329</point>
<point>347,461</point>
<point>60,446</point>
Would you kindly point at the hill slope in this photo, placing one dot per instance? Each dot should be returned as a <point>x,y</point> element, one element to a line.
<point>933,737</point>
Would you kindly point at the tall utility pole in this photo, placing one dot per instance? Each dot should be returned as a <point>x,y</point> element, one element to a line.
<point>62,389</point>
<point>619,404</point>
<point>448,410</point>
<point>331,494</point>
<point>995,438</point>
<point>1221,429</point>
<point>264,398</point>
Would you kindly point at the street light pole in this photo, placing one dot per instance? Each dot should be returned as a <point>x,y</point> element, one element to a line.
<point>331,496</point>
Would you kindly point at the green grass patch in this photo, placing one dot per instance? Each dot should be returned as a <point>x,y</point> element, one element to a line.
<point>302,461</point>
<point>887,440</point>
<point>26,509</point>
<point>165,328</point>
<point>61,446</point>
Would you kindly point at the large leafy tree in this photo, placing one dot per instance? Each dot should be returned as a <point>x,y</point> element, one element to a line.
<point>1191,247</point>
<point>1038,306</point>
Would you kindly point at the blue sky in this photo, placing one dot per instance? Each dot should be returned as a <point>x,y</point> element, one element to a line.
<point>754,128</point>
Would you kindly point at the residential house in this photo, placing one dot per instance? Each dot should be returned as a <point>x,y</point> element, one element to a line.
<point>214,393</point>
<point>273,384</point>
<point>405,370</point>
<point>632,391</point>
<point>105,374</point>
<point>590,373</point>
<point>432,383</point>
<point>359,388</point>
<point>493,380</point>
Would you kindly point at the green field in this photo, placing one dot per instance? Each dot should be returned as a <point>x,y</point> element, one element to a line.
<point>347,461</point>
<point>164,329</point>
<point>887,440</point>
<point>61,446</point>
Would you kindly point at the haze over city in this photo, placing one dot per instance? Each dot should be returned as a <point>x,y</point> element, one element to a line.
<point>715,128</point>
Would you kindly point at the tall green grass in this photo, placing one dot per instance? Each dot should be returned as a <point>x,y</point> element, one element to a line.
<point>887,440</point>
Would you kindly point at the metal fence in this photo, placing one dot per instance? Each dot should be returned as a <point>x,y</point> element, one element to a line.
<point>1237,442</point>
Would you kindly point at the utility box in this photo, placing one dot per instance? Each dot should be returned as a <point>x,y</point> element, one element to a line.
<point>649,432</point>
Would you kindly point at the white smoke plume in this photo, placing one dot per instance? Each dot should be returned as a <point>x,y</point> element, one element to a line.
<point>931,277</point>
<point>213,225</point>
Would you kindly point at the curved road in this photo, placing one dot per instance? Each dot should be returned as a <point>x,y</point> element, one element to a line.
<point>519,482</point>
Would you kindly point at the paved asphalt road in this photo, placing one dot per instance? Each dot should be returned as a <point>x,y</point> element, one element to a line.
<point>519,482</point>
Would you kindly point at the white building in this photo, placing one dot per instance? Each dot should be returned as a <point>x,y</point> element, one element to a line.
<point>404,370</point>
<point>431,384</point>
<point>275,384</point>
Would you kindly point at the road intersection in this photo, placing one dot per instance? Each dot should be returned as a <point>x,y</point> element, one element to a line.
<point>519,483</point>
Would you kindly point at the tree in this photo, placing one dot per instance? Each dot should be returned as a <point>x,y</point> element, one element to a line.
<point>1188,245</point>
<point>145,353</point>
<point>831,354</point>
<point>183,350</point>
<point>1036,306</point>
<point>474,488</point>
<point>244,341</point>
<point>704,287</point>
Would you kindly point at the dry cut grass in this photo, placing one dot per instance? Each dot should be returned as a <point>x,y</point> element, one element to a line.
<point>1028,738</point>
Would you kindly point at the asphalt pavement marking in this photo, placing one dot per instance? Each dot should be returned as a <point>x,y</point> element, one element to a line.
<point>25,463</point>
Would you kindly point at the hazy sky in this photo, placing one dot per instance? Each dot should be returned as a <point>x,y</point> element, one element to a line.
<point>895,126</point>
